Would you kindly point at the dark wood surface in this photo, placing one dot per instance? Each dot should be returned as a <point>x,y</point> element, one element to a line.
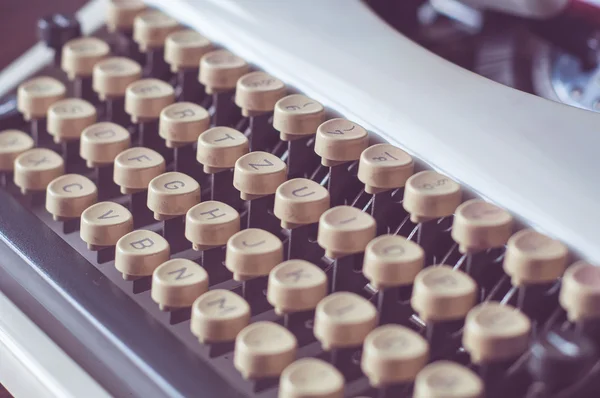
<point>18,19</point>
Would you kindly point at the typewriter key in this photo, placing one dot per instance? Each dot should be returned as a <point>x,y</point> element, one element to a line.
<point>111,77</point>
<point>57,29</point>
<point>139,253</point>
<point>218,316</point>
<point>178,283</point>
<point>253,253</point>
<point>79,56</point>
<point>150,31</point>
<point>69,195</point>
<point>311,378</point>
<point>102,225</point>
<point>36,168</point>
<point>12,144</point>
<point>172,194</point>
<point>136,167</point>
<point>121,14</point>
<point>445,379</point>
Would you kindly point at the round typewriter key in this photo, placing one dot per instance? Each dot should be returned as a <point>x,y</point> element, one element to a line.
<point>383,167</point>
<point>392,260</point>
<point>122,13</point>
<point>495,332</point>
<point>258,174</point>
<point>443,294</point>
<point>140,252</point>
<point>299,202</point>
<point>185,48</point>
<point>104,223</point>
<point>100,143</point>
<point>151,28</point>
<point>69,195</point>
<point>429,195</point>
<point>345,230</point>
<point>311,378</point>
<point>264,349</point>
<point>146,98</point>
<point>296,116</point>
<point>533,258</point>
<point>35,96</point>
<point>178,283</point>
<point>479,225</point>
<point>68,118</point>
<point>218,316</point>
<point>172,194</point>
<point>12,144</point>
<point>112,76</point>
<point>445,379</point>
<point>35,168</point>
<point>182,123</point>
<point>257,92</point>
<point>343,319</point>
<point>220,147</point>
<point>253,252</point>
<point>580,291</point>
<point>339,141</point>
<point>136,167</point>
<point>79,56</point>
<point>220,70</point>
<point>211,224</point>
<point>393,354</point>
<point>296,285</point>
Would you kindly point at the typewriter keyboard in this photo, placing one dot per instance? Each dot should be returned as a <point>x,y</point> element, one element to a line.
<point>296,253</point>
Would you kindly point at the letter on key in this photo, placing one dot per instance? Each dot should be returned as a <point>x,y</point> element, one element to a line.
<point>178,283</point>
<point>151,28</point>
<point>311,378</point>
<point>100,143</point>
<point>185,48</point>
<point>345,230</point>
<point>220,147</point>
<point>69,117</point>
<point>383,167</point>
<point>296,285</point>
<point>580,292</point>
<point>146,98</point>
<point>211,224</point>
<point>220,70</point>
<point>300,202</point>
<point>140,252</point>
<point>80,55</point>
<point>182,122</point>
<point>297,116</point>
<point>69,195</point>
<point>339,141</point>
<point>258,174</point>
<point>35,96</point>
<point>136,167</point>
<point>264,349</point>
<point>443,379</point>
<point>172,194</point>
<point>429,195</point>
<point>218,316</point>
<point>36,168</point>
<point>12,144</point>
<point>112,76</point>
<point>252,253</point>
<point>257,92</point>
<point>104,223</point>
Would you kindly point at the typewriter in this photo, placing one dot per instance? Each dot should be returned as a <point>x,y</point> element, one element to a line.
<point>316,199</point>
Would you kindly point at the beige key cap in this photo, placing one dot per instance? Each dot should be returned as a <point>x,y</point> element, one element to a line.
<point>178,283</point>
<point>104,223</point>
<point>345,230</point>
<point>532,258</point>
<point>80,55</point>
<point>136,167</point>
<point>393,354</point>
<point>111,76</point>
<point>392,260</point>
<point>296,116</point>
<point>220,147</point>
<point>211,224</point>
<point>339,141</point>
<point>343,319</point>
<point>35,96</point>
<point>258,92</point>
<point>580,291</point>
<point>220,70</point>
<point>146,98</point>
<point>185,48</point>
<point>300,202</point>
<point>446,379</point>
<point>101,142</point>
<point>479,225</point>
<point>69,195</point>
<point>121,14</point>
<point>252,253</point>
<point>258,174</point>
<point>35,168</point>
<point>494,332</point>
<point>383,167</point>
<point>443,294</point>
<point>12,144</point>
<point>182,123</point>
<point>296,285</point>
<point>311,378</point>
<point>172,194</point>
<point>151,28</point>
<point>429,195</point>
<point>140,252</point>
<point>68,118</point>
<point>264,349</point>
<point>218,316</point>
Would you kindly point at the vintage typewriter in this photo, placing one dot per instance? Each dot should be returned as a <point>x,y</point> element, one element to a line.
<point>218,198</point>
